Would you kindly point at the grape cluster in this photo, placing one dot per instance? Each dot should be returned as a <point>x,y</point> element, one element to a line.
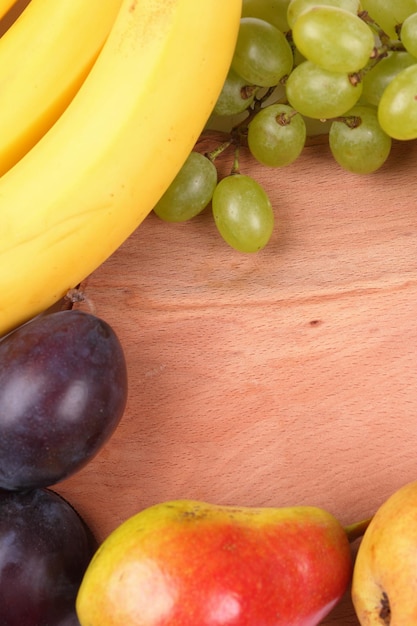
<point>350,63</point>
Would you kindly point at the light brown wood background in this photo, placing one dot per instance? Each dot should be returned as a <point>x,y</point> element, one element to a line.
<point>281,378</point>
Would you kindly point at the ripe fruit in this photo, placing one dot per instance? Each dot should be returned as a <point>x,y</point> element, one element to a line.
<point>334,39</point>
<point>319,93</point>
<point>408,34</point>
<point>236,95</point>
<point>297,7</point>
<point>361,148</point>
<point>87,184</point>
<point>389,15</point>
<point>188,563</point>
<point>384,585</point>
<point>296,61</point>
<point>190,191</point>
<point>63,388</point>
<point>272,11</point>
<point>243,213</point>
<point>379,77</point>
<point>276,135</point>
<point>45,548</point>
<point>262,54</point>
<point>45,56</point>
<point>397,109</point>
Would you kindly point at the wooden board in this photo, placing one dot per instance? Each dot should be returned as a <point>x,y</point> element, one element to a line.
<point>281,378</point>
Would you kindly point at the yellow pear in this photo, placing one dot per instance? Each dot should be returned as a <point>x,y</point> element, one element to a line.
<point>384,585</point>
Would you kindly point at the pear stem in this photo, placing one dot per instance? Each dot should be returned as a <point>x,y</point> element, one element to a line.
<point>356,530</point>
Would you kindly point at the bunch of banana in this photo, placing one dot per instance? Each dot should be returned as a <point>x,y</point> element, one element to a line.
<point>44,58</point>
<point>91,179</point>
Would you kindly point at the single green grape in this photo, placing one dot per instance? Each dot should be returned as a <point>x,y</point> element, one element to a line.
<point>236,95</point>
<point>296,7</point>
<point>262,54</point>
<point>334,39</point>
<point>276,135</point>
<point>389,15</point>
<point>408,34</point>
<point>272,11</point>
<point>320,94</point>
<point>397,109</point>
<point>361,149</point>
<point>403,8</point>
<point>190,191</point>
<point>243,213</point>
<point>379,77</point>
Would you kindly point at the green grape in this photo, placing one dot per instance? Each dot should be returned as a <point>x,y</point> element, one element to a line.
<point>276,135</point>
<point>320,94</point>
<point>243,213</point>
<point>190,191</point>
<point>397,109</point>
<point>262,54</point>
<point>362,149</point>
<point>408,34</point>
<point>296,7</point>
<point>389,15</point>
<point>333,39</point>
<point>236,95</point>
<point>272,11</point>
<point>379,77</point>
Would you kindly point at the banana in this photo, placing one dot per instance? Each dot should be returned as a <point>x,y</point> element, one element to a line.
<point>5,6</point>
<point>45,56</point>
<point>89,182</point>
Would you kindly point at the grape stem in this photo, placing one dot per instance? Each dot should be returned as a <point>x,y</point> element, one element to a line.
<point>239,132</point>
<point>283,119</point>
<point>379,53</point>
<point>216,152</point>
<point>382,35</point>
<point>235,166</point>
<point>352,121</point>
<point>377,56</point>
<point>387,43</point>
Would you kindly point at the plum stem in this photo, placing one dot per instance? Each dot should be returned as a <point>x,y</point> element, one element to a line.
<point>357,529</point>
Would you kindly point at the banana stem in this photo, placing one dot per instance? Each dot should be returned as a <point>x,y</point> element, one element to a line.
<point>357,529</point>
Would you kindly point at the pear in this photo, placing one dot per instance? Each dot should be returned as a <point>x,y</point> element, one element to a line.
<point>190,563</point>
<point>384,585</point>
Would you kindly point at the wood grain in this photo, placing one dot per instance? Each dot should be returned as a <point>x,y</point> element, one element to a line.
<point>281,378</point>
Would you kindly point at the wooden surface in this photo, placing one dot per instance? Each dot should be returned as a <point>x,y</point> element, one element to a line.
<point>282,378</point>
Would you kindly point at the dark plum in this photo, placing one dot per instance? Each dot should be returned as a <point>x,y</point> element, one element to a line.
<point>63,391</point>
<point>45,548</point>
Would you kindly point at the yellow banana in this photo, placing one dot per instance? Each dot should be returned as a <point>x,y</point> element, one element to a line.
<point>5,6</point>
<point>71,201</point>
<point>44,57</point>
